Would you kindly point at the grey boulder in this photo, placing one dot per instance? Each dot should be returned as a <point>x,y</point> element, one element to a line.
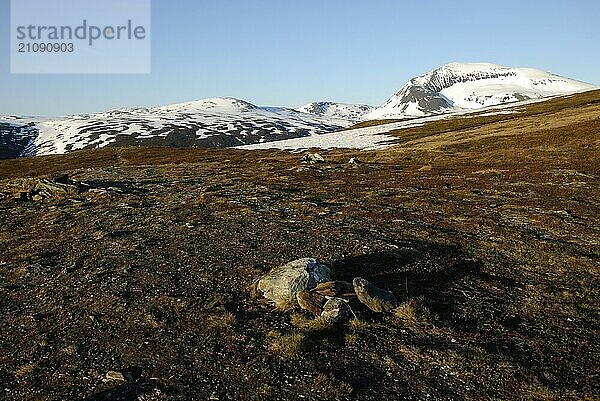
<point>283,283</point>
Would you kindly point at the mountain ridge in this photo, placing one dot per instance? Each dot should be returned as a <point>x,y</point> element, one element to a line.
<point>232,122</point>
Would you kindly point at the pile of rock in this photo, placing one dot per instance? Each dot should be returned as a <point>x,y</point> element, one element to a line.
<point>57,186</point>
<point>307,283</point>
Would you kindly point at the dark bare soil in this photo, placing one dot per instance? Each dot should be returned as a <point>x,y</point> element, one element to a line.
<point>488,229</point>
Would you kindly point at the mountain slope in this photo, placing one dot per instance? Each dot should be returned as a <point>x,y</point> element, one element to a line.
<point>465,86</point>
<point>217,122</point>
<point>16,137</point>
<point>354,112</point>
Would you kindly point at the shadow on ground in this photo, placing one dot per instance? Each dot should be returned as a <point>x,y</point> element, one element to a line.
<point>429,271</point>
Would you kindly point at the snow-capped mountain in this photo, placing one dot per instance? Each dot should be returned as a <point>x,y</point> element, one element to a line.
<point>229,122</point>
<point>457,87</point>
<point>353,112</point>
<point>217,122</point>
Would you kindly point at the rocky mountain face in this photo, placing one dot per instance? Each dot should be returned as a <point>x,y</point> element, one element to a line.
<point>16,138</point>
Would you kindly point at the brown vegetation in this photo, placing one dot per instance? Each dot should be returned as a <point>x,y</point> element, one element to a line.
<point>493,250</point>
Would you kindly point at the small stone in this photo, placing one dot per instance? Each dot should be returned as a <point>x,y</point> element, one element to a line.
<point>334,288</point>
<point>112,375</point>
<point>374,298</point>
<point>311,301</point>
<point>312,158</point>
<point>336,310</point>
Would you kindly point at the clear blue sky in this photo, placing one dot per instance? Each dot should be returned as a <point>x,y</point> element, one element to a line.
<point>279,52</point>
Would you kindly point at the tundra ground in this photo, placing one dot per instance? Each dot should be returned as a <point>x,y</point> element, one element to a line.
<point>486,227</point>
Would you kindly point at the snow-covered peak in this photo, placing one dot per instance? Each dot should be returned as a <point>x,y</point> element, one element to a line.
<point>216,104</point>
<point>353,112</point>
<point>464,86</point>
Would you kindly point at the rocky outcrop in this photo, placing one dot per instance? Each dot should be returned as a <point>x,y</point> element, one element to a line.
<point>58,186</point>
<point>306,283</point>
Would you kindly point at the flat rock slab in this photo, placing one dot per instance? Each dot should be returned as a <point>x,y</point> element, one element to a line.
<point>334,288</point>
<point>374,298</point>
<point>311,301</point>
<point>283,283</point>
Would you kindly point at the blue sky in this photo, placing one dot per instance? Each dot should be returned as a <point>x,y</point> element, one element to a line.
<point>274,52</point>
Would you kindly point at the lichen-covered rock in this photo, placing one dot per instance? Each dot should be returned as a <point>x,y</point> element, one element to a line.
<point>336,310</point>
<point>282,284</point>
<point>311,301</point>
<point>374,298</point>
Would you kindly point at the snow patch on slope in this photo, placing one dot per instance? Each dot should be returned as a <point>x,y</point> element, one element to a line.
<point>378,137</point>
<point>16,137</point>
<point>364,138</point>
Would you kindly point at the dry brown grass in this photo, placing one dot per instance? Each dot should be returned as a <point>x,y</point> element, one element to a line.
<point>310,324</point>
<point>26,370</point>
<point>337,390</point>
<point>289,345</point>
<point>412,314</point>
<point>351,339</point>
<point>286,305</point>
<point>359,325</point>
